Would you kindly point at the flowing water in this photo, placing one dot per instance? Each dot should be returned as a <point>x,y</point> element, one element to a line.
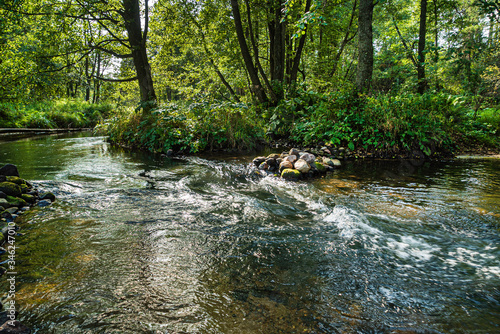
<point>145,244</point>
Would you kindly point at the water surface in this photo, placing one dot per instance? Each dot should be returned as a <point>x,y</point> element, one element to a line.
<point>146,244</point>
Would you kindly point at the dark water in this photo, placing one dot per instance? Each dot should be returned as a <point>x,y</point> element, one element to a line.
<point>196,245</point>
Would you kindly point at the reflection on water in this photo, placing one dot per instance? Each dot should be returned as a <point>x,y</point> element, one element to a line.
<point>145,244</point>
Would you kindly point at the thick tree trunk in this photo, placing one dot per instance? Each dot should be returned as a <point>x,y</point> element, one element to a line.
<point>257,88</point>
<point>277,43</point>
<point>422,81</point>
<point>365,46</point>
<point>132,18</point>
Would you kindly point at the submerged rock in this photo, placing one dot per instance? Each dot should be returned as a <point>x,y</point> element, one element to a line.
<point>14,327</point>
<point>9,170</point>
<point>332,162</point>
<point>48,195</point>
<point>44,202</point>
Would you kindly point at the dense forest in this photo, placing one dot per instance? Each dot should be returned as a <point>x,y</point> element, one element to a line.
<point>388,76</point>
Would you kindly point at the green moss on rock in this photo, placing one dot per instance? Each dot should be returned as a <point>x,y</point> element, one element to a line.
<point>320,167</point>
<point>16,180</point>
<point>15,201</point>
<point>290,174</point>
<point>28,198</point>
<point>10,188</point>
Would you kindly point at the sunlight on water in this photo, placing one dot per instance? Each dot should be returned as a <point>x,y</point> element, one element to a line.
<point>144,244</point>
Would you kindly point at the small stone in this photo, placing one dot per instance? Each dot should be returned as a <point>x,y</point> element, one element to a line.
<point>290,174</point>
<point>257,161</point>
<point>44,203</point>
<point>9,170</point>
<point>48,195</point>
<point>6,215</point>
<point>302,166</point>
<point>25,208</point>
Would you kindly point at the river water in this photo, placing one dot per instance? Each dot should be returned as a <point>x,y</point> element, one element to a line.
<point>146,244</point>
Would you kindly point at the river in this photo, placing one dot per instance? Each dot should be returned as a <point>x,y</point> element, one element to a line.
<point>137,243</point>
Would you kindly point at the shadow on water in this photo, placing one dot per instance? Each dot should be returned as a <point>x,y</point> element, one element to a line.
<point>144,244</point>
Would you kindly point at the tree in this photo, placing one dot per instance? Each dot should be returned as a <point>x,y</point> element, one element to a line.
<point>422,82</point>
<point>365,46</point>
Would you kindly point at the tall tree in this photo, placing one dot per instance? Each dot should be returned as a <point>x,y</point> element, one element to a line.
<point>422,82</point>
<point>365,46</point>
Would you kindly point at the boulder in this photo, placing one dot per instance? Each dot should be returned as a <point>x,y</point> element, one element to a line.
<point>15,201</point>
<point>294,151</point>
<point>290,174</point>
<point>291,158</point>
<point>332,162</point>
<point>16,180</point>
<point>4,203</point>
<point>273,156</point>
<point>48,195</point>
<point>257,161</point>
<point>320,167</point>
<point>28,198</point>
<point>285,165</point>
<point>10,188</point>
<point>302,166</point>
<point>9,170</point>
<point>308,157</point>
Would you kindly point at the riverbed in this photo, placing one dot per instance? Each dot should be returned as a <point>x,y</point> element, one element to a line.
<point>138,243</point>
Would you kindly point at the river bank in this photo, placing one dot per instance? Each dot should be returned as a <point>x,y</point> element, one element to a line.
<point>17,196</point>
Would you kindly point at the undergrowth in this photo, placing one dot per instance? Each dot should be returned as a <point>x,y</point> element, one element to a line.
<point>63,113</point>
<point>404,123</point>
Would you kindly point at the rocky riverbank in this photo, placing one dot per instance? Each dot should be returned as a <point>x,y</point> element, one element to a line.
<point>16,197</point>
<point>296,164</point>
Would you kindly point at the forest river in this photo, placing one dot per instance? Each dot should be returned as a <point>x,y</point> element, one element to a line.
<point>137,243</point>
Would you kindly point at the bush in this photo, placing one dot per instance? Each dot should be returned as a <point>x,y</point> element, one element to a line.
<point>53,114</point>
<point>192,127</point>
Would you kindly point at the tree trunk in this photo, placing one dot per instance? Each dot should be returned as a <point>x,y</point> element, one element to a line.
<point>422,82</point>
<point>298,52</point>
<point>132,18</point>
<point>365,46</point>
<point>276,43</point>
<point>256,88</point>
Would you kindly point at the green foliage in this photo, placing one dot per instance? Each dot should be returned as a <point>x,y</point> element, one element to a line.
<point>191,127</point>
<point>53,114</point>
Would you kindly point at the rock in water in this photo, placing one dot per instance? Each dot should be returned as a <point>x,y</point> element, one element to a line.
<point>257,161</point>
<point>290,174</point>
<point>9,170</point>
<point>308,157</point>
<point>302,166</point>
<point>14,327</point>
<point>48,195</point>
<point>44,202</point>
<point>285,165</point>
<point>10,189</point>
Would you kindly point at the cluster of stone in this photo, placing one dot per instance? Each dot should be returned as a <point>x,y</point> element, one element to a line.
<point>295,164</point>
<point>16,196</point>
